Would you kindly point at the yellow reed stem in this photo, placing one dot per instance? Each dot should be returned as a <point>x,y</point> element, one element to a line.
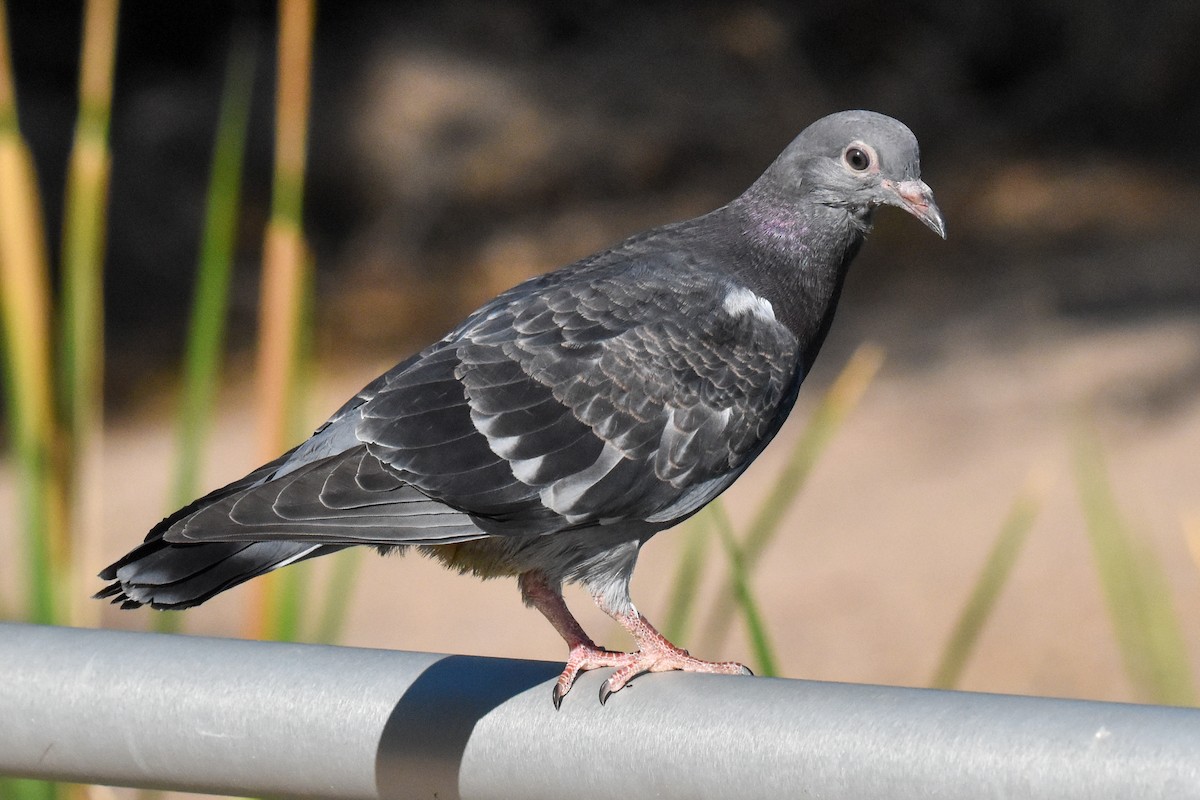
<point>285,265</point>
<point>83,300</point>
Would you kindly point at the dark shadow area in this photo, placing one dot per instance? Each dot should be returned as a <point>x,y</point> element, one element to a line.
<point>458,148</point>
<point>422,744</point>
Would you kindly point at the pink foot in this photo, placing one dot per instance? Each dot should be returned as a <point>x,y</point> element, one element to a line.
<point>655,653</point>
<point>658,656</point>
<point>664,657</point>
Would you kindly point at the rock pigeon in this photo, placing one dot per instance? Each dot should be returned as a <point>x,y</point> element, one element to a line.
<point>564,423</point>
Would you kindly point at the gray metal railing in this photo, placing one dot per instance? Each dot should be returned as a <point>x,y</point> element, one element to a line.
<point>249,718</point>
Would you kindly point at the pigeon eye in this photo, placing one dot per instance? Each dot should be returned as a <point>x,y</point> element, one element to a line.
<point>857,159</point>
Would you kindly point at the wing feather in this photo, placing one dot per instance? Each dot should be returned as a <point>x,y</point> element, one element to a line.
<point>606,393</point>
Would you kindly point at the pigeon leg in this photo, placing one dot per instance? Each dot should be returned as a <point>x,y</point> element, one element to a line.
<point>655,653</point>
<point>584,653</point>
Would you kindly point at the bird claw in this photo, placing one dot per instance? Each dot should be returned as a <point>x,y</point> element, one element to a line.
<point>608,688</point>
<point>631,665</point>
<point>585,657</point>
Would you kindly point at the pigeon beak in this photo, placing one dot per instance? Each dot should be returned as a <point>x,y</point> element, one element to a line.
<point>916,198</point>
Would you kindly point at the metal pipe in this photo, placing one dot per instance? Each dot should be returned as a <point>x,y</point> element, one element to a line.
<point>249,718</point>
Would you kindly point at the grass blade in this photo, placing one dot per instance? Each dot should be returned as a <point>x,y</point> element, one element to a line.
<point>1135,587</point>
<point>996,569</point>
<point>286,609</point>
<point>697,531</point>
<point>210,303</point>
<point>339,590</point>
<point>206,332</point>
<point>26,789</point>
<point>25,312</point>
<point>740,578</point>
<point>24,292</point>
<point>82,353</point>
<point>841,398</point>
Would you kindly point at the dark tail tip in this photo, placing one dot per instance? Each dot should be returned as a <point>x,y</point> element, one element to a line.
<point>115,594</point>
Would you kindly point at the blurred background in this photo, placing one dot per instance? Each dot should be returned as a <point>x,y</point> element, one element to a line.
<point>1005,494</point>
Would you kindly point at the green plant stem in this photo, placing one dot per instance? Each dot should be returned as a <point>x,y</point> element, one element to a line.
<point>210,303</point>
<point>697,531</point>
<point>26,789</point>
<point>841,398</point>
<point>25,314</point>
<point>1013,533</point>
<point>84,224</point>
<point>339,590</point>
<point>82,353</point>
<point>206,333</point>
<point>286,623</point>
<point>1136,589</point>
<point>739,575</point>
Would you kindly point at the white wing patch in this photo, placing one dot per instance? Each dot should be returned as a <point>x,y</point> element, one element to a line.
<point>740,300</point>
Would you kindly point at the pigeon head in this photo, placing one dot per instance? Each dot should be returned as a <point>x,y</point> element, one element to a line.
<point>857,161</point>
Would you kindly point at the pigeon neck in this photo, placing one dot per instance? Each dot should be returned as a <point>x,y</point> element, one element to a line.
<point>798,256</point>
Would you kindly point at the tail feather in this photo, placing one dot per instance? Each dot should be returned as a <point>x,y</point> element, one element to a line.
<point>163,575</point>
<point>283,512</point>
<point>171,576</point>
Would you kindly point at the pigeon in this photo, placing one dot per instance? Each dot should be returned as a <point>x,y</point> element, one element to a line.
<point>556,429</point>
